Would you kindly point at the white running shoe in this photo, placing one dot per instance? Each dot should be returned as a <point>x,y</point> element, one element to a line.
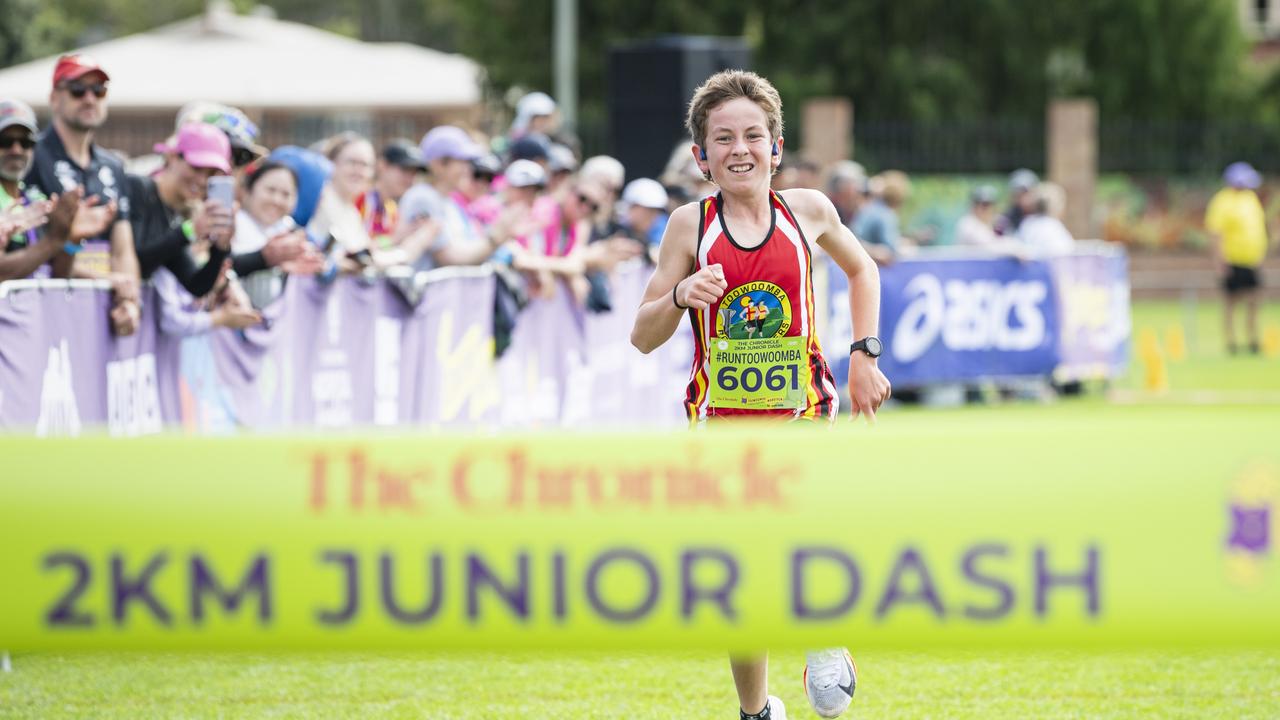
<point>829,681</point>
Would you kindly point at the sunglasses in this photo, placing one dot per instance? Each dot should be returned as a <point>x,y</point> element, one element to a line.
<point>78,89</point>
<point>26,143</point>
<point>595,206</point>
<point>483,176</point>
<point>241,157</point>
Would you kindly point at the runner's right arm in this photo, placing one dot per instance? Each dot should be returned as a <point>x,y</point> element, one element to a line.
<point>659,315</point>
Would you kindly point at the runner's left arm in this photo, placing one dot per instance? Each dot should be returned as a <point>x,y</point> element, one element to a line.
<point>868,387</point>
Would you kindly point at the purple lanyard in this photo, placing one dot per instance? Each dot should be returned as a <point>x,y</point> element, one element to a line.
<point>31,232</point>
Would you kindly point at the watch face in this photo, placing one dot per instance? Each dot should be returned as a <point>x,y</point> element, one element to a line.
<point>873,346</point>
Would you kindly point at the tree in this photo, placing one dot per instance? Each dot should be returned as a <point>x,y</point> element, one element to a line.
<point>913,60</point>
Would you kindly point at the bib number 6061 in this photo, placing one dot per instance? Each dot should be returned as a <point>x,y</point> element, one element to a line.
<point>752,378</point>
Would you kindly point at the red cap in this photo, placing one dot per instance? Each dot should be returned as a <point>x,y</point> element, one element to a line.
<point>74,66</point>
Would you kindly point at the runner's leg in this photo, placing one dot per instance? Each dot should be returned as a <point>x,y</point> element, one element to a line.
<point>1250,298</point>
<point>751,678</point>
<point>1229,330</point>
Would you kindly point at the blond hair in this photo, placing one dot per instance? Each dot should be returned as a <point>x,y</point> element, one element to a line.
<point>895,186</point>
<point>728,85</point>
<point>331,147</point>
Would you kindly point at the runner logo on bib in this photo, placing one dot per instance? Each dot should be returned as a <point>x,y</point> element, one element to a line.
<point>753,364</point>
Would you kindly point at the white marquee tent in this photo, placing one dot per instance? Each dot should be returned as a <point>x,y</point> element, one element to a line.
<point>257,62</point>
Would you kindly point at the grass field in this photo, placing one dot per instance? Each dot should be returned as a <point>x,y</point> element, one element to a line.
<point>1207,369</point>
<point>589,686</point>
<point>1216,684</point>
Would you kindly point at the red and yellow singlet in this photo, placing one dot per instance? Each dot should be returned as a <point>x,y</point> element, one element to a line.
<point>756,350</point>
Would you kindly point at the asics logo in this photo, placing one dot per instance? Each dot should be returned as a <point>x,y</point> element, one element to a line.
<point>969,315</point>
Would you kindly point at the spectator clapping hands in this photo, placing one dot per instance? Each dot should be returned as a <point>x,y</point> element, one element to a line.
<point>605,255</point>
<point>62,214</point>
<point>21,218</point>
<point>91,219</point>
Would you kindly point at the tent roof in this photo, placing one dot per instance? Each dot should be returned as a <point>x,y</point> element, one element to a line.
<point>255,62</point>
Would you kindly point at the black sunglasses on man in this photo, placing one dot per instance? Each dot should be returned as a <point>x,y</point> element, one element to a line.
<point>78,89</point>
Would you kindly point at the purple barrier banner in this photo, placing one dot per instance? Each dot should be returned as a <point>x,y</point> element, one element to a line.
<point>351,353</point>
<point>628,388</point>
<point>448,378</point>
<point>1093,294</point>
<point>327,356</point>
<point>62,370</point>
<point>543,362</point>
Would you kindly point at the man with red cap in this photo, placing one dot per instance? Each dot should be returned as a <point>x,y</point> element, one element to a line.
<point>66,158</point>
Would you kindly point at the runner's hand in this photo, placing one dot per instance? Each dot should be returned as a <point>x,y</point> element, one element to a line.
<point>868,387</point>
<point>702,288</point>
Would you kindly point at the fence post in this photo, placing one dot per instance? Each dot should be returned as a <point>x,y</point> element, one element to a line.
<point>828,130</point>
<point>1072,138</point>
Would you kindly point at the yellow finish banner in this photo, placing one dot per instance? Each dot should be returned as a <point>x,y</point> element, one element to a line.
<point>1110,528</point>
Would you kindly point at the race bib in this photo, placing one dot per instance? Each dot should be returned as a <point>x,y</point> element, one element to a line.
<point>759,374</point>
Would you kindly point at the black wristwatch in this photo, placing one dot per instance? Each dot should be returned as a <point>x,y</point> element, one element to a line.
<point>869,345</point>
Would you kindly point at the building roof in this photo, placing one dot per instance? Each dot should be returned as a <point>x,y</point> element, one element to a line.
<point>255,61</point>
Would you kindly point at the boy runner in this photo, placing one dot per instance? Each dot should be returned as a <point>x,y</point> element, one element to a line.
<point>749,241</point>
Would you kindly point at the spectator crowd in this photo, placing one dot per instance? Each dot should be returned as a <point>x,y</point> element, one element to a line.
<point>218,223</point>
<point>524,201</point>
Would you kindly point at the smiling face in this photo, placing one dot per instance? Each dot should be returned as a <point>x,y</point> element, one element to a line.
<point>17,150</point>
<point>395,180</point>
<point>450,174</point>
<point>272,196</point>
<point>738,146</point>
<point>985,211</point>
<point>191,182</point>
<point>353,169</point>
<point>582,202</point>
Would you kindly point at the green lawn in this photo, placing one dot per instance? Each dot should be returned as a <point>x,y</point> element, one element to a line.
<point>582,686</point>
<point>1207,367</point>
<point>1217,684</point>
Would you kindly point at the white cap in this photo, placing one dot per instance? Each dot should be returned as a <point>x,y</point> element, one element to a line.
<point>525,173</point>
<point>534,104</point>
<point>647,193</point>
<point>561,158</point>
<point>531,106</point>
<point>604,170</point>
<point>849,170</point>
